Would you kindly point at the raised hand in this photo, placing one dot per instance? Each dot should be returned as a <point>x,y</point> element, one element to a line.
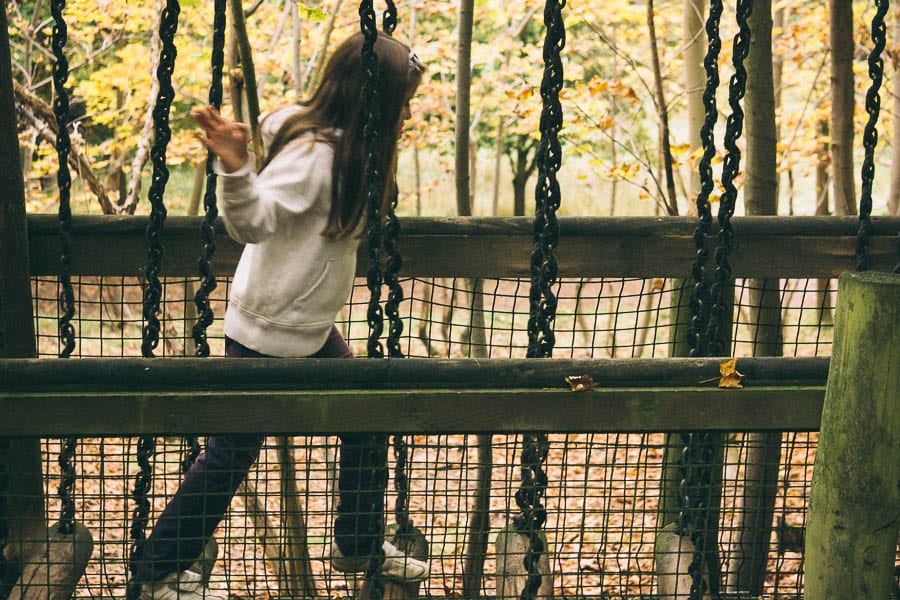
<point>227,138</point>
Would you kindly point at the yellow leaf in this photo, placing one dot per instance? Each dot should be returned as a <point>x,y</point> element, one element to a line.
<point>730,377</point>
<point>580,383</point>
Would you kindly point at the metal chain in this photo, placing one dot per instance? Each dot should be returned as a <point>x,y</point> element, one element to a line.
<point>191,452</point>
<point>391,272</point>
<point>63,178</point>
<point>66,487</point>
<point>698,446</point>
<point>376,457</point>
<point>67,294</point>
<point>162,133</point>
<point>374,186</point>
<point>168,25</point>
<point>700,294</point>
<point>533,515</point>
<point>870,133</point>
<point>693,517</point>
<point>208,283</point>
<point>401,485</point>
<point>389,18</point>
<point>374,180</point>
<point>543,300</point>
<point>140,515</point>
<point>721,287</point>
<point>710,305</point>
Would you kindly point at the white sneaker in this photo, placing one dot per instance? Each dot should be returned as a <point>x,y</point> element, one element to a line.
<point>186,585</point>
<point>397,565</point>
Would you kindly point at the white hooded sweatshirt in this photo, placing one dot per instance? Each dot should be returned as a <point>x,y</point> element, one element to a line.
<point>291,281</point>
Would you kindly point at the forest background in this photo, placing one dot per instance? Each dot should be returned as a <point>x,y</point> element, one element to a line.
<point>631,101</point>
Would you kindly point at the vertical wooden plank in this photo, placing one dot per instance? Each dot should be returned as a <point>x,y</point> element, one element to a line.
<point>22,502</point>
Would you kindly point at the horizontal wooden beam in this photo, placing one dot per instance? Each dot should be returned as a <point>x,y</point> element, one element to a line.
<point>410,411</point>
<point>799,247</point>
<point>293,374</point>
<point>180,396</point>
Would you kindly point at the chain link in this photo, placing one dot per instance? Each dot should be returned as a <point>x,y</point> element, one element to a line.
<point>389,18</point>
<point>532,515</point>
<point>191,452</point>
<point>391,279</point>
<point>63,177</point>
<point>208,282</point>
<point>693,518</point>
<point>168,25</point>
<point>162,133</point>
<point>377,452</point>
<point>67,293</point>
<point>401,485</point>
<point>721,288</point>
<point>542,299</point>
<point>140,515</point>
<point>374,180</point>
<point>66,487</point>
<point>699,301</point>
<point>870,133</point>
<point>541,338</point>
<point>710,304</point>
<point>375,455</point>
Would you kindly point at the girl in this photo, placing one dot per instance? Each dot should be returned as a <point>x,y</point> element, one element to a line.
<point>300,219</point>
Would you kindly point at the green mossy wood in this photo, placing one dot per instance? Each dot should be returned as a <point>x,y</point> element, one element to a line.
<point>854,512</point>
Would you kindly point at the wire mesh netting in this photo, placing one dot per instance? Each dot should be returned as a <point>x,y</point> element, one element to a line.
<point>609,496</point>
<point>454,318</point>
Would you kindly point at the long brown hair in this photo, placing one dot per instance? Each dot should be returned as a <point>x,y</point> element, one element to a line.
<point>334,114</point>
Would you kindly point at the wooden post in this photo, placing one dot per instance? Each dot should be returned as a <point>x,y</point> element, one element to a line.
<point>412,543</point>
<point>22,502</point>
<point>511,548</point>
<point>854,510</point>
<point>53,572</point>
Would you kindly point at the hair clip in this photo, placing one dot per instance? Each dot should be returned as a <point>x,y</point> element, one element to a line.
<point>414,60</point>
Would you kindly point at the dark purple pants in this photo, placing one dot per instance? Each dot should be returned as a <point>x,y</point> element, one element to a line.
<point>205,493</point>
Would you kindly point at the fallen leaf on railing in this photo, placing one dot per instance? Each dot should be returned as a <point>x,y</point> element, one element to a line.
<point>730,377</point>
<point>580,383</point>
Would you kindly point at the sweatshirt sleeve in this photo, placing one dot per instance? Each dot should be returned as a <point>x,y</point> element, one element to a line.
<point>295,180</point>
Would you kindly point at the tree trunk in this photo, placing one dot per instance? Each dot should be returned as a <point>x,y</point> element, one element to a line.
<point>842,106</point>
<point>747,568</point>
<point>498,155</point>
<point>128,204</point>
<point>295,547</point>
<point>523,165</point>
<point>670,199</point>
<point>894,193</point>
<point>463,91</point>
<point>295,50</point>
<point>248,74</point>
<point>822,296</point>
<point>314,78</point>
<point>693,12</point>
<point>480,519</point>
<point>692,15</point>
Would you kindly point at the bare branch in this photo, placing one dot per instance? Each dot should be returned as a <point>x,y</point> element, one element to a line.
<point>142,152</point>
<point>41,117</point>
